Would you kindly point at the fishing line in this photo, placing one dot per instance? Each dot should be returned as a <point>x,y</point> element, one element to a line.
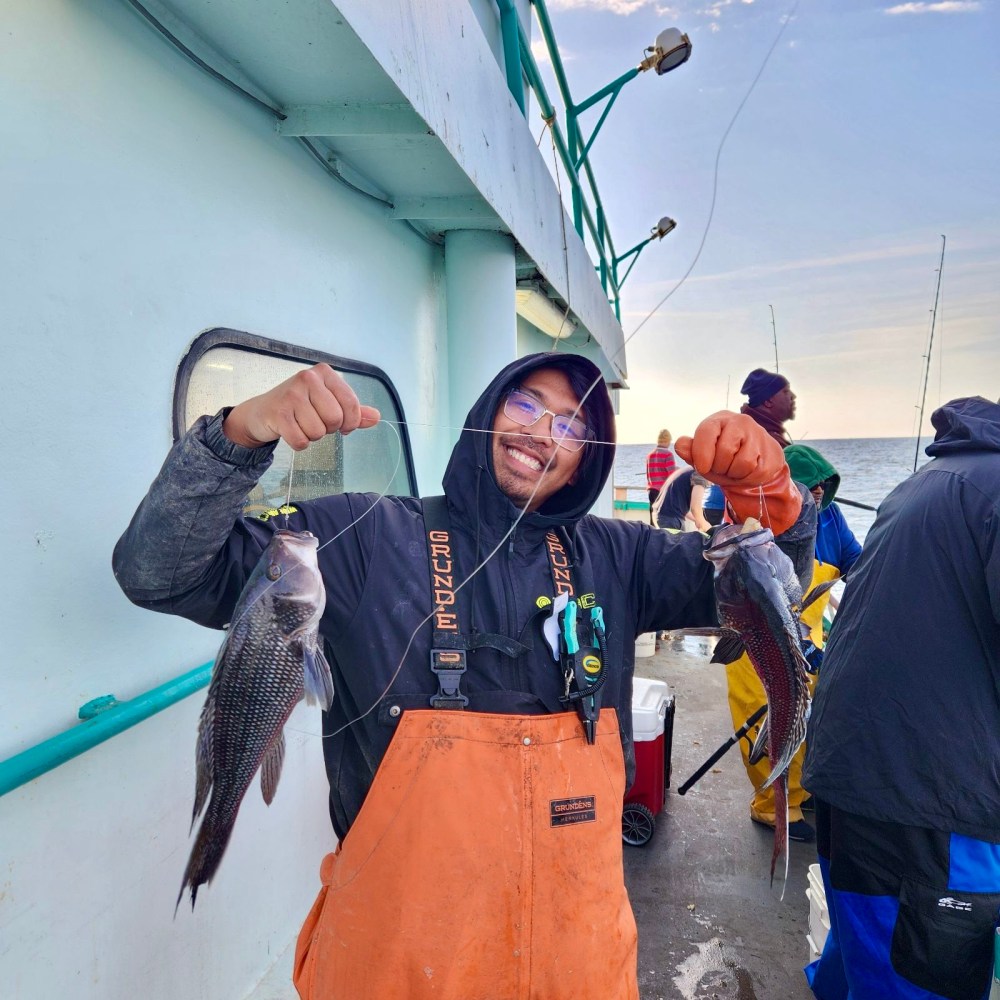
<point>598,381</point>
<point>357,520</point>
<point>580,405</point>
<point>388,486</point>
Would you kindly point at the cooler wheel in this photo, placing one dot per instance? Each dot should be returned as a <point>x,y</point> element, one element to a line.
<point>637,824</point>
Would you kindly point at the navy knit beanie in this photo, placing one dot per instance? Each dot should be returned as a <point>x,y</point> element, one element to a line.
<point>761,385</point>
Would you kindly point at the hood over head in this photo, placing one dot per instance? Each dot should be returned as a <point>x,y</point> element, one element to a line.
<point>472,457</point>
<point>968,424</point>
<point>810,468</point>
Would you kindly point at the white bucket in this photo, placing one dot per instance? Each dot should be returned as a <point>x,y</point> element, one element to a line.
<point>645,644</point>
<point>819,915</point>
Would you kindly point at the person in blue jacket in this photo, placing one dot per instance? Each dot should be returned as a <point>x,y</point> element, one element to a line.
<point>836,544</point>
<point>903,753</point>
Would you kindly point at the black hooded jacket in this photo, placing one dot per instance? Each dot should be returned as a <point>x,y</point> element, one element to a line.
<point>188,551</point>
<point>905,724</point>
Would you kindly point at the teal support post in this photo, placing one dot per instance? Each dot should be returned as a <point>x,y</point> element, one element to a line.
<point>480,280</point>
<point>602,233</point>
<point>512,51</point>
<point>541,12</point>
<point>612,88</point>
<point>116,718</point>
<point>636,250</point>
<point>573,142</point>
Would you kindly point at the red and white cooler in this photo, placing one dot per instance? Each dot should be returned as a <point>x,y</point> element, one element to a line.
<point>652,732</point>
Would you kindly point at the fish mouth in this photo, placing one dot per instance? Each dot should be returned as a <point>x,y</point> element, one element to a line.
<point>732,537</point>
<point>292,539</point>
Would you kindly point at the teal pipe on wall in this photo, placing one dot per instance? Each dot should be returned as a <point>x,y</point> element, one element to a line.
<point>49,754</point>
<point>511,50</point>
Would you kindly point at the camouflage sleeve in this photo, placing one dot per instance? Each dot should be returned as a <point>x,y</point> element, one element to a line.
<point>187,550</point>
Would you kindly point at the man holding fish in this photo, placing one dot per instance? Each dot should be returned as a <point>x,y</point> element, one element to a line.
<point>478,742</point>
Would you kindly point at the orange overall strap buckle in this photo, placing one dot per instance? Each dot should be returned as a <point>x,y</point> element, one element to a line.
<point>448,665</point>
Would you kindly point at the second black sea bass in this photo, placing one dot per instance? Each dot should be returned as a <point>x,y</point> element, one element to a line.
<point>759,600</point>
<point>270,659</point>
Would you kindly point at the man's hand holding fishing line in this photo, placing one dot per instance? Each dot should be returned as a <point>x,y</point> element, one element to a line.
<point>302,409</point>
<point>735,452</point>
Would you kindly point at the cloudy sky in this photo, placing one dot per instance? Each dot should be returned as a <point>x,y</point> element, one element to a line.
<point>872,131</point>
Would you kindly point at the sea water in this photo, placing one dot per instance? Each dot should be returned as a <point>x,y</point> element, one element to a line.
<point>870,468</point>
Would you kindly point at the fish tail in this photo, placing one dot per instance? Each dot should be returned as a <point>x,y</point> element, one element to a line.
<point>780,828</point>
<point>209,847</point>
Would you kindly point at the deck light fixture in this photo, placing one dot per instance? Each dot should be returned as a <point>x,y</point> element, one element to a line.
<point>662,228</point>
<point>671,49</point>
<point>538,309</point>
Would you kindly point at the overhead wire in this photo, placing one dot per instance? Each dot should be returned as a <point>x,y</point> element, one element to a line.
<point>323,161</point>
<point>333,172</point>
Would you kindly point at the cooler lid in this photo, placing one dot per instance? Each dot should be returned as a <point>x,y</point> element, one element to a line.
<point>649,707</point>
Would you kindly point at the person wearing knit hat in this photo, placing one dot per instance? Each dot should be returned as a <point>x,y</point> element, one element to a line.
<point>770,401</point>
<point>836,552</point>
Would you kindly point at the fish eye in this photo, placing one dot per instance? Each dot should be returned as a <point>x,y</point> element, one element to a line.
<point>273,571</point>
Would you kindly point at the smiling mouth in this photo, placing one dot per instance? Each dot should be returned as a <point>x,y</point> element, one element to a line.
<point>523,458</point>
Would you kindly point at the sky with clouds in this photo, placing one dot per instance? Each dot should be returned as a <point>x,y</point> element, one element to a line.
<point>872,131</point>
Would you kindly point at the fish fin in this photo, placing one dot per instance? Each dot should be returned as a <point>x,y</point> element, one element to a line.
<point>206,855</point>
<point>317,679</point>
<point>206,739</point>
<point>270,768</point>
<point>203,765</point>
<point>780,829</point>
<point>759,748</point>
<point>730,648</point>
<point>817,592</point>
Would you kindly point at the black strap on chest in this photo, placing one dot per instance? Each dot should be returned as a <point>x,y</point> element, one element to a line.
<point>582,664</point>
<point>450,643</point>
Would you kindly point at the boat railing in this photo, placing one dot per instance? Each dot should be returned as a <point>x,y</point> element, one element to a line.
<point>101,719</point>
<point>588,210</point>
<point>630,499</point>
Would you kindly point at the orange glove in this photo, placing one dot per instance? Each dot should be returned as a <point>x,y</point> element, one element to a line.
<point>735,452</point>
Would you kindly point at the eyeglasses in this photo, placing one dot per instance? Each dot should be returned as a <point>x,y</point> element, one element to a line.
<point>526,410</point>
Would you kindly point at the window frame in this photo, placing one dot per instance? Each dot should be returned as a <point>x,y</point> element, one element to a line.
<point>222,336</point>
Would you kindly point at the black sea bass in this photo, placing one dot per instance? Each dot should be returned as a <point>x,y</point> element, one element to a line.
<point>270,658</point>
<point>760,600</point>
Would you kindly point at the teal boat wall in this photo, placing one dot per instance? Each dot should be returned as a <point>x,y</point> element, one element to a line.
<point>143,203</point>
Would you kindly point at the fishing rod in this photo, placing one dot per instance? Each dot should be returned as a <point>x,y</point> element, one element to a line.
<point>855,503</point>
<point>724,749</point>
<point>774,330</point>
<point>930,344</point>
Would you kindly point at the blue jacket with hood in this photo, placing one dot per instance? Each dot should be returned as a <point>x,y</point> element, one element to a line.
<point>905,724</point>
<point>189,551</point>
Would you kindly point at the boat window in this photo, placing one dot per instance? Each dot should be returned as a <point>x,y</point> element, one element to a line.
<point>224,367</point>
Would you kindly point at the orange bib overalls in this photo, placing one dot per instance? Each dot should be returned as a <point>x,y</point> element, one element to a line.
<point>485,864</point>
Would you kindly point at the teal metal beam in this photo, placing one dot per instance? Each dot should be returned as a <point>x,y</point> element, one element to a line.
<point>119,716</point>
<point>509,30</point>
<point>352,119</point>
<point>612,88</point>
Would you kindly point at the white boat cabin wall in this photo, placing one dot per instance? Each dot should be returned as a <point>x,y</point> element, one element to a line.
<point>169,244</point>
